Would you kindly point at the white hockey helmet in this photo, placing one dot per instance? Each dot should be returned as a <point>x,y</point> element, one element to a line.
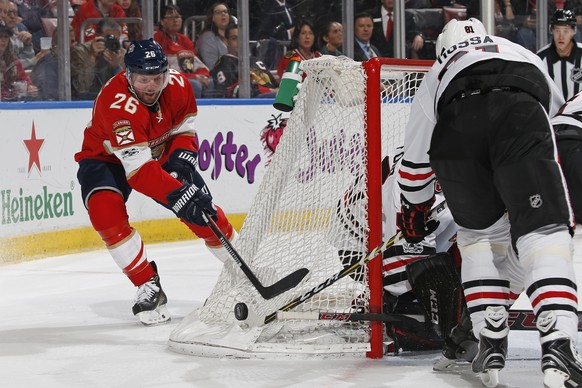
<point>456,31</point>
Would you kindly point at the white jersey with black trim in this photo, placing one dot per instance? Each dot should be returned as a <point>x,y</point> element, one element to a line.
<point>395,259</point>
<point>416,178</point>
<point>570,113</point>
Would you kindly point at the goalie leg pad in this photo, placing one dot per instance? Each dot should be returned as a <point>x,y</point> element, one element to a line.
<point>437,285</point>
<point>409,335</point>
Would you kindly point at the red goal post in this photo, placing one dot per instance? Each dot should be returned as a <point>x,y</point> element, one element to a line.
<point>319,206</point>
<point>374,87</point>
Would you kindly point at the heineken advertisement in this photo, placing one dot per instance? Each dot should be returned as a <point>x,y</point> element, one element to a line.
<point>20,207</point>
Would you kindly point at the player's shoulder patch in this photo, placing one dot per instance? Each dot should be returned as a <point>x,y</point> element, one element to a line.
<point>123,132</point>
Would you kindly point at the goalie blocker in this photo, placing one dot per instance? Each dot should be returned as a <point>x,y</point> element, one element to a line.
<point>435,302</point>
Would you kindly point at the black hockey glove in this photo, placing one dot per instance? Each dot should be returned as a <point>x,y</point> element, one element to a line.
<point>188,202</point>
<point>182,163</point>
<point>413,220</point>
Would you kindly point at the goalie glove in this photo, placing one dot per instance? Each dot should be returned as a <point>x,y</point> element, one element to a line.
<point>413,220</point>
<point>182,164</point>
<point>188,202</point>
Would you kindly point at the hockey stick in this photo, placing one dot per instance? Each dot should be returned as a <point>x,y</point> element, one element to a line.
<point>518,319</point>
<point>266,292</point>
<point>348,270</point>
<point>525,320</point>
<point>344,317</point>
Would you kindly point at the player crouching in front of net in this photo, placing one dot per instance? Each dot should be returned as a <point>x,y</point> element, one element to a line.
<point>142,137</point>
<point>479,121</point>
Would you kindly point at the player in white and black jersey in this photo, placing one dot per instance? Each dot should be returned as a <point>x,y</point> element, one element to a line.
<point>427,259</point>
<point>563,56</point>
<point>568,129</point>
<point>479,121</point>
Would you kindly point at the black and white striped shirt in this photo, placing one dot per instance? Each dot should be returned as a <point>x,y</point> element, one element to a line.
<point>565,71</point>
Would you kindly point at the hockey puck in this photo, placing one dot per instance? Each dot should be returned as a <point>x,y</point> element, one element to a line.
<point>241,311</point>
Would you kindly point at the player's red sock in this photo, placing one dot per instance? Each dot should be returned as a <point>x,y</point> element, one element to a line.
<point>109,218</point>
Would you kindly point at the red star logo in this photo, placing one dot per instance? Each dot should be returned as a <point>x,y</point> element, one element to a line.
<point>33,147</point>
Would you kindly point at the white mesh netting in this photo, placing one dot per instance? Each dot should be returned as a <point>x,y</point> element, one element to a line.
<point>310,212</point>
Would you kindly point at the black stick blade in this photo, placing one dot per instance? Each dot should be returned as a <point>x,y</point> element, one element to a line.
<point>288,282</point>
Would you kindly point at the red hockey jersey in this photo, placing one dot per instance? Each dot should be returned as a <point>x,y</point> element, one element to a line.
<point>89,10</point>
<point>124,130</point>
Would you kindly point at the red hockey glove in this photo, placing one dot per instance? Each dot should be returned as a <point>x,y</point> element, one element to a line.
<point>413,220</point>
<point>182,163</point>
<point>188,202</point>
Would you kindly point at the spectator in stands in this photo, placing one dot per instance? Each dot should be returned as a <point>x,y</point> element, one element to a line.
<point>578,13</point>
<point>31,12</point>
<point>276,22</point>
<point>95,61</point>
<point>181,53</point>
<point>225,73</point>
<point>21,40</point>
<point>75,4</point>
<point>331,39</point>
<point>526,34</point>
<point>363,29</point>
<point>302,46</point>
<point>211,43</point>
<point>95,9</point>
<point>132,10</point>
<point>383,33</point>
<point>45,74</point>
<point>14,82</point>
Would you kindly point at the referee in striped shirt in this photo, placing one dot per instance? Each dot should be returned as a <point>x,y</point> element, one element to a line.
<point>563,56</point>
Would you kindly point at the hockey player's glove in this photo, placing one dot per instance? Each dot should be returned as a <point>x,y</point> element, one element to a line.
<point>182,163</point>
<point>188,202</point>
<point>413,220</point>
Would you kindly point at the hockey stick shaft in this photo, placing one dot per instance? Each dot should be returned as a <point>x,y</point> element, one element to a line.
<point>344,317</point>
<point>518,319</point>
<point>266,292</point>
<point>348,270</point>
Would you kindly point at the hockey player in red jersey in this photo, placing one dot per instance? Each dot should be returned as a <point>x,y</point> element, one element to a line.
<point>479,123</point>
<point>142,137</point>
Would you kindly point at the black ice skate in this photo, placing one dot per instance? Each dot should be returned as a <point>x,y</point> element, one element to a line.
<point>460,347</point>
<point>561,364</point>
<point>150,302</point>
<point>492,346</point>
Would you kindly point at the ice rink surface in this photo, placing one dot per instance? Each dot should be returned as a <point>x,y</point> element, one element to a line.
<point>67,322</point>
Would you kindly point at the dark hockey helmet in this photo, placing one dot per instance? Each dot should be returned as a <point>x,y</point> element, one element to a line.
<point>563,17</point>
<point>146,57</point>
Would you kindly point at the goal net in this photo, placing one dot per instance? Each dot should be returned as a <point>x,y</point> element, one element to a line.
<point>318,207</point>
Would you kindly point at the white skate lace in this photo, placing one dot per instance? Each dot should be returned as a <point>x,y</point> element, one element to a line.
<point>146,291</point>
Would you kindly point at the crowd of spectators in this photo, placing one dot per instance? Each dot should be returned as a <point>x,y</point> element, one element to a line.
<point>280,30</point>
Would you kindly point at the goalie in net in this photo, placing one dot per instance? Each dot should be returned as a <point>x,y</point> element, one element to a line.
<point>422,280</point>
